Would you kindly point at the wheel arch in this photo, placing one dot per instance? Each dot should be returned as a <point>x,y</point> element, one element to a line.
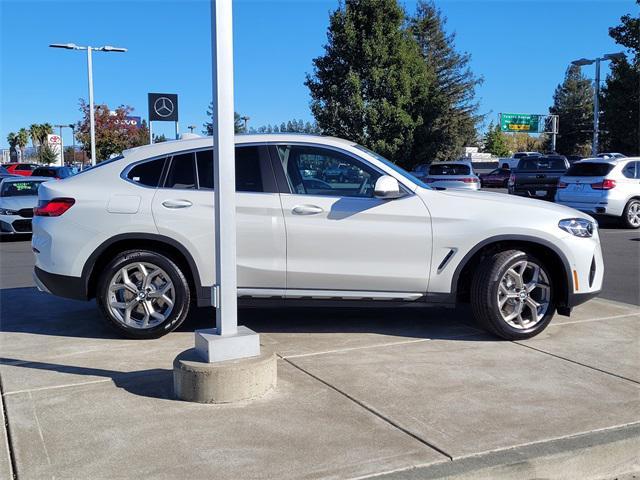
<point>143,241</point>
<point>556,261</point>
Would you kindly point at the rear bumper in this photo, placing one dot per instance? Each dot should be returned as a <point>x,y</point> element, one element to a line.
<point>530,192</point>
<point>60,285</point>
<point>597,208</point>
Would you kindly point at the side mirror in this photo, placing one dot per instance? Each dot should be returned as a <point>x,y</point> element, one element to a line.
<point>387,188</point>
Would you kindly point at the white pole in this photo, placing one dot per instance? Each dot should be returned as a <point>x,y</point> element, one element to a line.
<point>224,168</point>
<point>91,114</point>
<point>596,111</point>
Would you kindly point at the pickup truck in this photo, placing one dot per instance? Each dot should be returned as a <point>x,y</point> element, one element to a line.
<point>537,177</point>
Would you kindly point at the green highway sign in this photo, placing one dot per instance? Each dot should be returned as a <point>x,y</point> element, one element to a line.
<point>520,122</point>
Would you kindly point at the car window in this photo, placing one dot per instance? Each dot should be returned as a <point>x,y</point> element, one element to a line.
<point>322,171</point>
<point>19,189</point>
<point>248,174</point>
<point>589,169</point>
<point>182,173</point>
<point>450,169</point>
<point>629,170</point>
<point>147,173</point>
<point>541,164</point>
<point>25,166</point>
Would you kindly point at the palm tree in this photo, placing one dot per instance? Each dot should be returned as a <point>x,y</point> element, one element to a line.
<point>12,139</point>
<point>38,133</point>
<point>23,140</point>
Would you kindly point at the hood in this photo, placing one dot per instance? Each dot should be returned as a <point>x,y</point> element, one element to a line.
<point>18,203</point>
<point>505,204</point>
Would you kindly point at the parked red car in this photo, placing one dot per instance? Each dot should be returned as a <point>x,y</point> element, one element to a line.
<point>496,178</point>
<point>23,169</point>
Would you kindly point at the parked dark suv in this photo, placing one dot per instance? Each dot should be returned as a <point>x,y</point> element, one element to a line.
<point>537,177</point>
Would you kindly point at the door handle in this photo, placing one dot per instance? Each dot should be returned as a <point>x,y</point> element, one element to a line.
<point>177,203</point>
<point>306,210</point>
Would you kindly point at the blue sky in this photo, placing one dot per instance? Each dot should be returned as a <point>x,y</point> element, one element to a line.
<point>520,47</point>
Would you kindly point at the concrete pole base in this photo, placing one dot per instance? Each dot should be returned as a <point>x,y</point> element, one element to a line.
<point>223,382</point>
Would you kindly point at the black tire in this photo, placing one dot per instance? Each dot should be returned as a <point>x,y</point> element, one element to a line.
<point>182,296</point>
<point>626,220</point>
<point>484,295</point>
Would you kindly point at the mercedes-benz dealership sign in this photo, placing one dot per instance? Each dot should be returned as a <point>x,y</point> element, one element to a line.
<point>163,107</point>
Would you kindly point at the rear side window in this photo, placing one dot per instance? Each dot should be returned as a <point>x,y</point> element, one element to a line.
<point>44,172</point>
<point>449,169</point>
<point>25,166</point>
<point>147,173</point>
<point>182,173</point>
<point>589,169</point>
<point>248,175</point>
<point>630,170</point>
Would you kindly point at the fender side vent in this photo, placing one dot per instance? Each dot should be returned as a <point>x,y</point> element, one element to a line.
<point>446,259</point>
<point>592,271</point>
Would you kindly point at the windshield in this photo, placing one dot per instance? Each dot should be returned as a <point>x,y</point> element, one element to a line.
<point>393,166</point>
<point>19,189</point>
<point>450,169</point>
<point>589,169</point>
<point>541,164</point>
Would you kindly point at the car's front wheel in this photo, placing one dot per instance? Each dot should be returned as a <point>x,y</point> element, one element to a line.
<point>512,295</point>
<point>631,214</point>
<point>143,294</point>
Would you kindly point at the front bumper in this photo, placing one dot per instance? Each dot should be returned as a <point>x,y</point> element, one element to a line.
<point>60,285</point>
<point>14,225</point>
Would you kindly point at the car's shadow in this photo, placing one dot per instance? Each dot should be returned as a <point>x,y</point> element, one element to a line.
<point>26,310</point>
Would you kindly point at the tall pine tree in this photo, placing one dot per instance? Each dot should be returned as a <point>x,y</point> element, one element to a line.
<point>450,113</point>
<point>621,93</point>
<point>370,78</point>
<point>573,103</point>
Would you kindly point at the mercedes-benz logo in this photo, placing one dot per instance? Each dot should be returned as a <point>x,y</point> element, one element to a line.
<point>163,106</point>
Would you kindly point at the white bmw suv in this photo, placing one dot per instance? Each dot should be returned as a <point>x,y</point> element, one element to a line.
<point>136,233</point>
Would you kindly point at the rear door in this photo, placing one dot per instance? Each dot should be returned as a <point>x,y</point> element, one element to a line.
<point>183,209</point>
<point>342,239</point>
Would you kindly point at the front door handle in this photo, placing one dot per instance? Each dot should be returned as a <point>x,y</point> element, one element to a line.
<point>306,210</point>
<point>177,203</point>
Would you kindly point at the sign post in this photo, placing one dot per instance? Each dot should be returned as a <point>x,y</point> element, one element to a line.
<point>55,143</point>
<point>163,107</point>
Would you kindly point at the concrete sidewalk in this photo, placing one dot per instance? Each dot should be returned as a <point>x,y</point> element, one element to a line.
<point>397,393</point>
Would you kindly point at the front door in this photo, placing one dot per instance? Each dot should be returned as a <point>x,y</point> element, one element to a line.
<point>339,236</point>
<point>183,209</point>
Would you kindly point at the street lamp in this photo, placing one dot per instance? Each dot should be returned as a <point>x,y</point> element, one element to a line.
<point>596,101</point>
<point>89,49</point>
<point>245,119</point>
<point>192,128</point>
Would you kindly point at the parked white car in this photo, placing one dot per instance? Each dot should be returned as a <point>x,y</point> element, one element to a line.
<point>452,175</point>
<point>18,198</point>
<point>603,186</point>
<point>137,234</point>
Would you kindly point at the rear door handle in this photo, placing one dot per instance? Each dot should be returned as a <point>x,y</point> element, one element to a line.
<point>306,210</point>
<point>177,203</point>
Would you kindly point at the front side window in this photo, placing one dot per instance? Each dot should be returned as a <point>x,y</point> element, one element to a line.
<point>321,171</point>
<point>147,173</point>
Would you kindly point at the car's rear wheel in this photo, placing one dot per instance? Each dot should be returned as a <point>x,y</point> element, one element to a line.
<point>631,214</point>
<point>512,295</point>
<point>143,294</point>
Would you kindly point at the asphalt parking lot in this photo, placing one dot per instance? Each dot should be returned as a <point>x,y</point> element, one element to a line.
<point>388,393</point>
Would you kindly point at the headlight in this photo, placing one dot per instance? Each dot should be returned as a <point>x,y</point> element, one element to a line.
<point>580,227</point>
<point>6,211</point>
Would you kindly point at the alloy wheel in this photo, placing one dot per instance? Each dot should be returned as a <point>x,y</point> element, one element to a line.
<point>633,214</point>
<point>524,295</point>
<point>141,295</point>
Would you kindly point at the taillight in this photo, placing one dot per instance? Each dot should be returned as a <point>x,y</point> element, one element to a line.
<point>470,180</point>
<point>512,179</point>
<point>562,185</point>
<point>604,185</point>
<point>53,208</point>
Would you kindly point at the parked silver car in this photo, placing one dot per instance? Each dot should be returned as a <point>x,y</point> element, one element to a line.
<point>18,198</point>
<point>452,175</point>
<point>604,186</point>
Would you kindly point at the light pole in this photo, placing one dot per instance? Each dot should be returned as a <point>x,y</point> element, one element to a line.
<point>596,100</point>
<point>192,128</point>
<point>89,49</point>
<point>245,119</point>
